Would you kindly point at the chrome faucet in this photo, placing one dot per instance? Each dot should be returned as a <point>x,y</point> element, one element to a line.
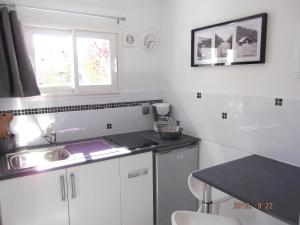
<point>51,139</point>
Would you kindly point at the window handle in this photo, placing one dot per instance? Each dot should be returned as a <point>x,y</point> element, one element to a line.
<point>115,67</point>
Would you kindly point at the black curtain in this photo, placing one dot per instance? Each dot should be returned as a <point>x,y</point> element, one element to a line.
<point>17,78</point>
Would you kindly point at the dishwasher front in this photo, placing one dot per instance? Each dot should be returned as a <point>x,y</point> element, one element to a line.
<point>172,169</point>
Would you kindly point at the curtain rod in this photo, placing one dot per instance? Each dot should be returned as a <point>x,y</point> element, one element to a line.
<point>118,19</point>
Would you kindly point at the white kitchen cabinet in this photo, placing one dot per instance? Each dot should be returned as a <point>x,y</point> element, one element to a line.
<point>94,193</point>
<point>39,199</point>
<point>111,192</point>
<point>137,189</point>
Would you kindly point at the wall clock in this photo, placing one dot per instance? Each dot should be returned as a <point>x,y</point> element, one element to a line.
<point>150,42</point>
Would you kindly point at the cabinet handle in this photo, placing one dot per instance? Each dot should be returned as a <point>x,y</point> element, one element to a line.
<point>63,188</point>
<point>73,186</point>
<point>137,173</point>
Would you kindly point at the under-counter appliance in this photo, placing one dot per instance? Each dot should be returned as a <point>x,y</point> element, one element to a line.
<point>172,169</point>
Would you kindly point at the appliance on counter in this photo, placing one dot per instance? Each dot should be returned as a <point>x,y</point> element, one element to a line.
<point>161,112</point>
<point>131,141</point>
<point>170,132</point>
<point>172,169</point>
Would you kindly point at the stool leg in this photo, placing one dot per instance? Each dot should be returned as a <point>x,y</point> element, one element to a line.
<point>207,199</point>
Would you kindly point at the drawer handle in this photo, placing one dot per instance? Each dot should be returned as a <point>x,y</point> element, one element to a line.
<point>137,173</point>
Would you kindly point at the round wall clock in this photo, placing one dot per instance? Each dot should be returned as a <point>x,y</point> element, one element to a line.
<point>150,41</point>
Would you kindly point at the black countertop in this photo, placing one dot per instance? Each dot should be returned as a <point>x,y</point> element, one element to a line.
<point>149,134</point>
<point>155,137</point>
<point>259,180</point>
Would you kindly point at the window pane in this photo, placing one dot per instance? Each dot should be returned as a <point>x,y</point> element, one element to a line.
<point>53,60</point>
<point>93,61</point>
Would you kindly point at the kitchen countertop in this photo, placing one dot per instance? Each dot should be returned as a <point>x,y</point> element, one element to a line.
<point>259,180</point>
<point>162,144</point>
<point>149,134</point>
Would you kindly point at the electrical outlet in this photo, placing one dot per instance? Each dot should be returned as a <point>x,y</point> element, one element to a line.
<point>145,108</point>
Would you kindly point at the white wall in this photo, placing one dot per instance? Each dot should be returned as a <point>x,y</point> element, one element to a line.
<point>275,78</point>
<point>139,71</point>
<point>246,92</point>
<point>254,125</point>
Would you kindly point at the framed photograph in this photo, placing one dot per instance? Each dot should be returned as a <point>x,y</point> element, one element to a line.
<point>241,41</point>
<point>129,39</point>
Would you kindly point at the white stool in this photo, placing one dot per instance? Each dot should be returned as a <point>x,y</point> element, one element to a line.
<point>218,197</point>
<point>195,218</point>
<point>198,218</point>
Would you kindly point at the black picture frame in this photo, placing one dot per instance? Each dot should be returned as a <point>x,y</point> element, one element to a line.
<point>240,41</point>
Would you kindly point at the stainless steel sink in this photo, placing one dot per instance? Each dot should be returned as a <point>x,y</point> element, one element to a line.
<point>33,158</point>
<point>57,155</point>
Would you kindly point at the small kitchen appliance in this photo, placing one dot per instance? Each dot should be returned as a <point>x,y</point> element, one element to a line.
<point>161,112</point>
<point>170,132</point>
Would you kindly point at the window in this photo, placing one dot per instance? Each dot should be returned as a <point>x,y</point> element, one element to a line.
<point>73,61</point>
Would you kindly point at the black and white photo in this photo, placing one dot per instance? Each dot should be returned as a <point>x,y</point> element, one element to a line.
<point>223,43</point>
<point>204,46</point>
<point>241,41</point>
<point>247,40</point>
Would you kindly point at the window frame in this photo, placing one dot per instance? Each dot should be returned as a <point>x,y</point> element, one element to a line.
<point>113,62</point>
<point>75,88</point>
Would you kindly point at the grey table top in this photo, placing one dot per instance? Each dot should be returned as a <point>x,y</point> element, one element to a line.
<point>268,185</point>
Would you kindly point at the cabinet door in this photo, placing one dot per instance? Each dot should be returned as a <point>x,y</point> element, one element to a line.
<point>94,193</point>
<point>137,189</point>
<point>39,199</point>
<point>173,168</point>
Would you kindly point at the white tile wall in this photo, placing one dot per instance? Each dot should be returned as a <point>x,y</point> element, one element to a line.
<point>79,124</point>
<point>254,124</point>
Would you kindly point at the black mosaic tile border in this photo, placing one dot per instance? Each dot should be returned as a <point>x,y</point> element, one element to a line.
<point>35,111</point>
